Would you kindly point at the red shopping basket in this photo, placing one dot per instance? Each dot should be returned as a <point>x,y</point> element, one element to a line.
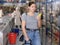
<point>12,38</point>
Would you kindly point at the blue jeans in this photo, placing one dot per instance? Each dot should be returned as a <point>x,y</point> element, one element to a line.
<point>34,36</point>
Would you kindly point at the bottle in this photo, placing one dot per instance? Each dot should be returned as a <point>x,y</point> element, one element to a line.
<point>1,13</point>
<point>39,14</point>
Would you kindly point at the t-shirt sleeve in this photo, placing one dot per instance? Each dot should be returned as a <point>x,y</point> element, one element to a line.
<point>23,18</point>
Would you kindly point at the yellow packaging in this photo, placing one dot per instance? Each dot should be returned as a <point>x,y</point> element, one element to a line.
<point>39,14</point>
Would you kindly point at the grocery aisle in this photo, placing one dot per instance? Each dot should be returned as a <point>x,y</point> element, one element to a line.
<point>49,32</point>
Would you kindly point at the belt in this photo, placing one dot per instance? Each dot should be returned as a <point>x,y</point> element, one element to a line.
<point>32,29</point>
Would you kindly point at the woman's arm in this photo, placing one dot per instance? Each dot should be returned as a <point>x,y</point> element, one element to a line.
<point>24,30</point>
<point>39,22</point>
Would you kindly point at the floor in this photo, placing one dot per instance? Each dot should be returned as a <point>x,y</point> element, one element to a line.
<point>45,40</point>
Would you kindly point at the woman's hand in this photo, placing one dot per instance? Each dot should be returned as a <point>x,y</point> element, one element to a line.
<point>27,39</point>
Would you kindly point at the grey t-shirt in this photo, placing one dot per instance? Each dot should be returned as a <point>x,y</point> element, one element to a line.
<point>31,21</point>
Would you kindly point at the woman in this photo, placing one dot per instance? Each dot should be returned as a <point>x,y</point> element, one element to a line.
<point>16,15</point>
<point>31,24</point>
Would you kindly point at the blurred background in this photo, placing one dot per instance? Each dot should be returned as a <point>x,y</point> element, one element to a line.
<point>50,9</point>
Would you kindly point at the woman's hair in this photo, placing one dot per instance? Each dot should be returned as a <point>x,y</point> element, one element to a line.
<point>30,3</point>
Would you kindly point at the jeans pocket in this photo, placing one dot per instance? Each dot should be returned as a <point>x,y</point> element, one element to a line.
<point>37,31</point>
